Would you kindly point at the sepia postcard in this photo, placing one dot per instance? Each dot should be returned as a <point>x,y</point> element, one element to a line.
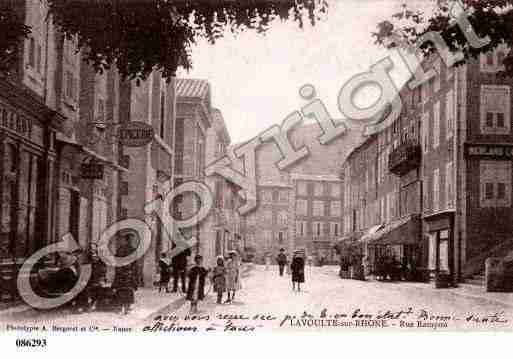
<point>194,167</point>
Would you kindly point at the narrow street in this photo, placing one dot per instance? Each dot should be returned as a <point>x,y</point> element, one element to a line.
<point>267,301</point>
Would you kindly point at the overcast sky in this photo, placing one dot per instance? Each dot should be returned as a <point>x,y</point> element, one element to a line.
<point>255,78</point>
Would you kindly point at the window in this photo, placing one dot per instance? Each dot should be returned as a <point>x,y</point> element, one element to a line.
<point>301,207</point>
<point>488,190</point>
<point>426,193</point>
<point>319,189</point>
<point>334,230</point>
<point>335,209</point>
<point>317,229</point>
<point>282,218</point>
<point>284,196</point>
<point>32,53</point>
<point>301,188</point>
<point>162,114</point>
<point>495,183</point>
<point>335,190</point>
<point>449,113</point>
<point>268,216</point>
<point>493,61</point>
<point>100,115</point>
<point>425,132</point>
<point>301,228</point>
<point>267,195</point>
<point>495,109</point>
<point>71,87</point>
<point>436,190</point>
<point>449,185</point>
<point>501,190</point>
<point>383,210</point>
<point>436,79</point>
<point>390,206</point>
<point>267,236</point>
<point>318,208</point>
<point>436,124</point>
<point>424,91</point>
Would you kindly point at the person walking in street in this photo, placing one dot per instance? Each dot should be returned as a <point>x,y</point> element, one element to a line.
<point>282,261</point>
<point>165,273</point>
<point>232,276</point>
<point>125,280</point>
<point>298,271</point>
<point>179,267</point>
<point>219,279</point>
<point>196,285</point>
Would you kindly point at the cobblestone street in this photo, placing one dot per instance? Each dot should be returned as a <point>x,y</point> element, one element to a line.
<point>267,301</point>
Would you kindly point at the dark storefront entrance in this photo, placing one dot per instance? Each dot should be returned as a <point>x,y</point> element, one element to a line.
<point>440,244</point>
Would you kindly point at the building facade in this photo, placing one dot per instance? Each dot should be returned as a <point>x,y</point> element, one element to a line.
<point>438,180</point>
<point>60,175</point>
<point>268,228</point>
<point>318,221</point>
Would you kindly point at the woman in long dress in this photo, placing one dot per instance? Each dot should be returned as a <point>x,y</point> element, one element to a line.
<point>298,271</point>
<point>232,276</point>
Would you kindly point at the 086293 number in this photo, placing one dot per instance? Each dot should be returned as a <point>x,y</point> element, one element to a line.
<point>30,343</point>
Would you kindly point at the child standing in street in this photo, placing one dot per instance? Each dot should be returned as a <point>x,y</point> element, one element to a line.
<point>196,287</point>
<point>219,279</point>
<point>232,276</point>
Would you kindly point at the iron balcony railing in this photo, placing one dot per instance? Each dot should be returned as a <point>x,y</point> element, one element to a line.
<point>405,157</point>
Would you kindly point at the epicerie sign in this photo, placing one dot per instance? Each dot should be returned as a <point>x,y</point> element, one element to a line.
<point>135,134</point>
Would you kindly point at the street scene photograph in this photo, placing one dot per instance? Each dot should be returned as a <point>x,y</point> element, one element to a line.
<point>194,167</point>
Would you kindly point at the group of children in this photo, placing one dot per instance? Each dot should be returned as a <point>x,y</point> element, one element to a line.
<point>225,278</point>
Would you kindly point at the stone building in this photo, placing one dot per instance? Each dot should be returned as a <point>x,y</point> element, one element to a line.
<point>149,167</point>
<point>272,225</point>
<point>60,174</point>
<point>436,184</point>
<point>317,214</point>
<point>268,228</point>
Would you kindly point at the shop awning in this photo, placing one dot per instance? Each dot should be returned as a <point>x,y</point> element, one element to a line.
<point>403,231</point>
<point>371,232</point>
<point>102,159</point>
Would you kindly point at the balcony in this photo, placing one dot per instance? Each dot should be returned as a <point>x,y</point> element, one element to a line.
<point>404,158</point>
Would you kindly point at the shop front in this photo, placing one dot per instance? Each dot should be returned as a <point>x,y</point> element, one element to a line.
<point>27,130</point>
<point>440,244</point>
<point>393,250</point>
<point>88,192</point>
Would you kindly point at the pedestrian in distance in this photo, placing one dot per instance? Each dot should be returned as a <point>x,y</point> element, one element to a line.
<point>232,276</point>
<point>267,260</point>
<point>298,271</point>
<point>282,261</point>
<point>219,279</point>
<point>165,273</point>
<point>196,285</point>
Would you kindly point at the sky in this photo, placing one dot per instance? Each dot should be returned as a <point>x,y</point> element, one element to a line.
<point>255,78</point>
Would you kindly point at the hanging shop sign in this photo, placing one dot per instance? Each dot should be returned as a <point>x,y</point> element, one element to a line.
<point>91,171</point>
<point>135,134</point>
<point>492,151</point>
